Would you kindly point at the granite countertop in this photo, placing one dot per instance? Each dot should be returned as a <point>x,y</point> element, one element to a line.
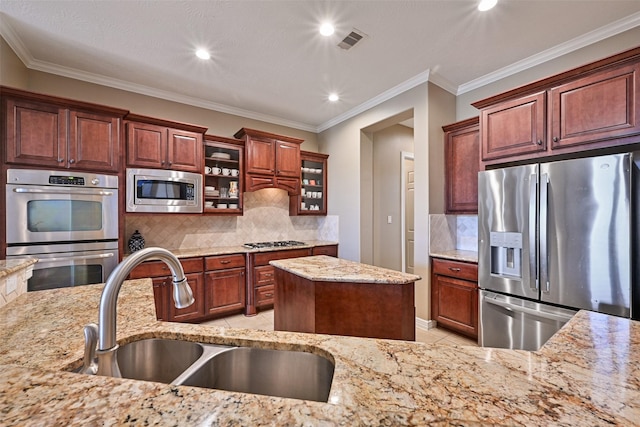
<point>456,255</point>
<point>228,250</point>
<point>587,374</point>
<point>322,268</point>
<point>10,266</point>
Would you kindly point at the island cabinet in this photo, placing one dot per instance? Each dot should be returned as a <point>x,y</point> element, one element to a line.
<point>160,144</point>
<point>272,161</point>
<point>591,107</point>
<point>44,131</point>
<point>261,277</point>
<point>312,198</point>
<point>217,282</point>
<point>454,296</point>
<point>462,162</point>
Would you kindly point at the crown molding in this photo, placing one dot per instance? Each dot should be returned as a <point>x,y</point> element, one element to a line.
<point>11,37</point>
<point>587,39</point>
<point>377,100</point>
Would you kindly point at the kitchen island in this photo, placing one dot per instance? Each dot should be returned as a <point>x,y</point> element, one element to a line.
<point>587,374</point>
<point>328,295</point>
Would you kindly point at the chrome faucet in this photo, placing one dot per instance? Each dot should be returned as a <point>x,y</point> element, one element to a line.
<point>106,336</point>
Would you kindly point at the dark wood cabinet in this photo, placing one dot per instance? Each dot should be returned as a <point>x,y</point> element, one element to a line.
<point>158,144</point>
<point>223,168</point>
<point>272,161</point>
<point>42,131</point>
<point>591,107</point>
<point>329,250</point>
<point>194,312</point>
<point>225,285</point>
<point>454,296</point>
<point>312,198</point>
<point>261,280</point>
<point>462,163</point>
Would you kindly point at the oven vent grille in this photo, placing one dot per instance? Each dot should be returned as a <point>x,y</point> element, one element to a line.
<point>351,39</point>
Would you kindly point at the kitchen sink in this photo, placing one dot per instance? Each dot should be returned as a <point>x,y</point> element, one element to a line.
<point>282,373</point>
<point>293,374</point>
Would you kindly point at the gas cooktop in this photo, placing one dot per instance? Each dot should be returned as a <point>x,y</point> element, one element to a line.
<point>280,244</point>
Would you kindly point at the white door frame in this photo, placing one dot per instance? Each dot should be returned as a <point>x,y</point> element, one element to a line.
<point>403,183</point>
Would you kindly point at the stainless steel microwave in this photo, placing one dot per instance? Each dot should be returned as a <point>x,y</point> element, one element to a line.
<point>163,191</point>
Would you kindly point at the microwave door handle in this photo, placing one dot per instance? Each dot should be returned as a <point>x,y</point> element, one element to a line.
<point>533,197</point>
<point>71,191</point>
<point>544,314</point>
<point>544,232</point>
<point>77,257</point>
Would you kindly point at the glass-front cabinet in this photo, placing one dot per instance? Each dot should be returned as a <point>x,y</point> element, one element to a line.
<point>312,199</point>
<point>223,172</point>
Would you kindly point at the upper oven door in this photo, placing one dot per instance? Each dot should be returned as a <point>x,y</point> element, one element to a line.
<point>42,213</point>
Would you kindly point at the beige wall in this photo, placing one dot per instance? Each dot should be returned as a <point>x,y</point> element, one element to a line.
<point>442,107</point>
<point>12,71</point>
<point>621,42</point>
<point>388,144</point>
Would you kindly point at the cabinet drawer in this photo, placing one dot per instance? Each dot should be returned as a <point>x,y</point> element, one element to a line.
<point>462,270</point>
<point>159,268</point>
<point>264,275</point>
<point>223,261</point>
<point>330,250</point>
<point>264,257</point>
<point>265,295</point>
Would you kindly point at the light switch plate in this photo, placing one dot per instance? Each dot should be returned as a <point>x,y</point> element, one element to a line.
<point>389,219</point>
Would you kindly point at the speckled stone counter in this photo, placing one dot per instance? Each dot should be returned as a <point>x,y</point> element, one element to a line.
<point>456,255</point>
<point>322,268</point>
<point>588,374</point>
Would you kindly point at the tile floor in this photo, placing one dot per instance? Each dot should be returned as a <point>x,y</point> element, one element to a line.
<point>264,320</point>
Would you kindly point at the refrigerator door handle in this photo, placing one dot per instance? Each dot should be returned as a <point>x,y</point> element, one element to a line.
<point>533,197</point>
<point>544,232</point>
<point>544,314</point>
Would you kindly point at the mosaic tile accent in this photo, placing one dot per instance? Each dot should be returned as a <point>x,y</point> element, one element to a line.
<point>266,217</point>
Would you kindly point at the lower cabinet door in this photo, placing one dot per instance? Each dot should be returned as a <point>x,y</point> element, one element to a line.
<point>224,291</point>
<point>161,287</point>
<point>455,304</point>
<point>196,310</point>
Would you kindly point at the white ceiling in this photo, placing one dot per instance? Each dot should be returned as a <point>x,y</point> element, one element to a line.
<point>270,63</point>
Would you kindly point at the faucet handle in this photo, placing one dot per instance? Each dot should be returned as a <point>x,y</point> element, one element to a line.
<point>90,366</point>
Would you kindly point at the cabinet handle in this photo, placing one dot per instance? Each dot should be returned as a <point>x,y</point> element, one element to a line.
<point>225,262</point>
<point>268,295</point>
<point>454,269</point>
<point>268,274</point>
<point>556,139</point>
<point>539,142</point>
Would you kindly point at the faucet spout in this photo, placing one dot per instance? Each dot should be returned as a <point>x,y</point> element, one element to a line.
<point>182,295</point>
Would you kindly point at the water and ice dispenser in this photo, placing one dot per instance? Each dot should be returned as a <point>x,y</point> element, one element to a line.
<point>506,254</point>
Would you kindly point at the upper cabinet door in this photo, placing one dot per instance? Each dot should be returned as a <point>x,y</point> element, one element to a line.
<point>185,151</point>
<point>36,133</point>
<point>287,159</point>
<point>514,128</point>
<point>600,106</point>
<point>462,162</point>
<point>146,145</point>
<point>94,141</point>
<point>260,155</point>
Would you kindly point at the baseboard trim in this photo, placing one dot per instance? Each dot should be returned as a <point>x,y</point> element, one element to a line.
<point>425,324</point>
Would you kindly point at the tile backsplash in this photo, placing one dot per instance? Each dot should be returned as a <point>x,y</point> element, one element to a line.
<point>266,218</point>
<point>449,232</point>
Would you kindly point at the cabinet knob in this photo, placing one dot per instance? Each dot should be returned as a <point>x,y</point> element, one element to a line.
<point>72,161</point>
<point>539,142</point>
<point>60,160</point>
<point>556,139</point>
<point>162,162</point>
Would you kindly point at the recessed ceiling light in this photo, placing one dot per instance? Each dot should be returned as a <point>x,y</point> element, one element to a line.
<point>485,5</point>
<point>203,54</point>
<point>326,29</point>
<point>333,97</point>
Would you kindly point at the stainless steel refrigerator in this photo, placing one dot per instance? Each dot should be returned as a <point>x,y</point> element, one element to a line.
<point>555,238</point>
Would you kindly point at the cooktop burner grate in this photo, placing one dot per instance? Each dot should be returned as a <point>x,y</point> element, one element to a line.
<point>279,244</point>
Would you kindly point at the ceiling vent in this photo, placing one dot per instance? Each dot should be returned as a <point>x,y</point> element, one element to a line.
<point>352,38</point>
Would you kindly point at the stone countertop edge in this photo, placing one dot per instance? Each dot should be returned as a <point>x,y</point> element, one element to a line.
<point>456,255</point>
<point>322,268</point>
<point>230,250</point>
<point>10,266</point>
<point>587,374</point>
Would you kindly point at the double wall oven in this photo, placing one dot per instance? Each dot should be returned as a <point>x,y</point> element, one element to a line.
<point>69,221</point>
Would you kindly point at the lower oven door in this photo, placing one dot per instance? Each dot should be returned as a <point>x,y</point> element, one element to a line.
<point>515,323</point>
<point>61,266</point>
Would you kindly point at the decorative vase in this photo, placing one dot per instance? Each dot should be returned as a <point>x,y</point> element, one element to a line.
<point>233,189</point>
<point>136,242</point>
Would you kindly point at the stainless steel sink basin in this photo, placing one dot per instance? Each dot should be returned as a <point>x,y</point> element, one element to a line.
<point>157,359</point>
<point>280,373</point>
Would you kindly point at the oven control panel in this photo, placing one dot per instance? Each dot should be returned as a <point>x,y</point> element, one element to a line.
<point>66,180</point>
